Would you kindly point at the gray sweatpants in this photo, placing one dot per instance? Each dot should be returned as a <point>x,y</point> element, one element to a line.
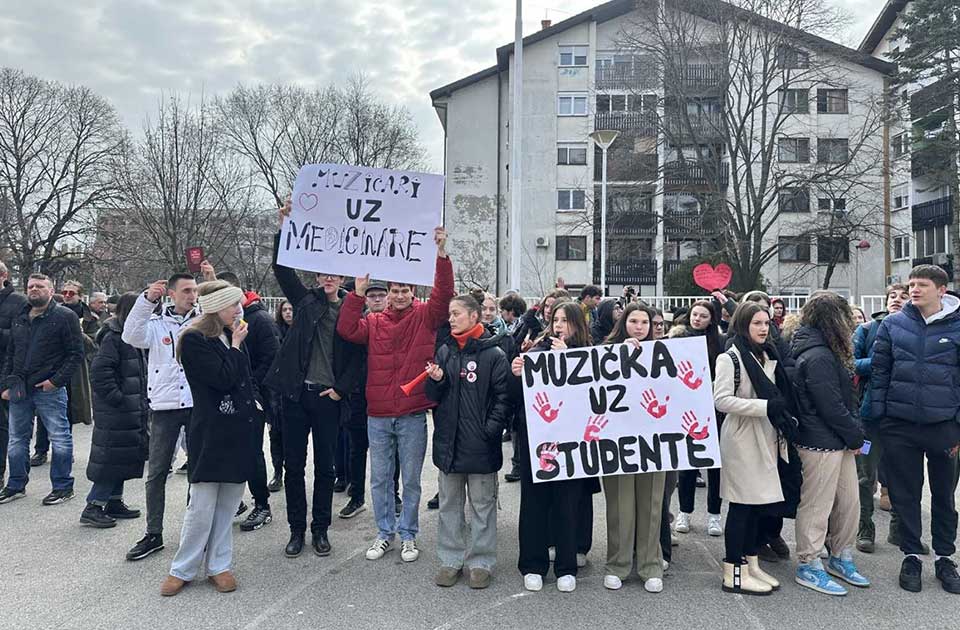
<point>452,545</point>
<point>207,525</point>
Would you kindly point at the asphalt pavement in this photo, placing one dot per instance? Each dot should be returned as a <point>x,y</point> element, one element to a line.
<point>54,573</point>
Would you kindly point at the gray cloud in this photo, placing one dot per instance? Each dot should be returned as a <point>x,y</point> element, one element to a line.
<point>132,51</point>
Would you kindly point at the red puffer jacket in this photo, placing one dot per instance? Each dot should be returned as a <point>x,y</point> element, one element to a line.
<point>399,344</point>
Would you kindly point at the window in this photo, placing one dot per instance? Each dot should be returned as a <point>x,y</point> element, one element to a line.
<point>571,200</point>
<point>573,56</point>
<point>794,150</point>
<point>795,102</point>
<point>901,196</point>
<point>573,154</point>
<point>830,249</point>
<point>624,102</point>
<point>833,150</point>
<point>789,58</point>
<point>827,204</point>
<point>571,248</point>
<point>572,104</point>
<point>794,248</point>
<point>901,247</point>
<point>794,200</point>
<point>900,144</point>
<point>932,241</point>
<point>832,102</point>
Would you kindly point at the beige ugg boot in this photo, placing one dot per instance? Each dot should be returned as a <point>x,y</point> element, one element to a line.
<point>753,564</point>
<point>736,579</point>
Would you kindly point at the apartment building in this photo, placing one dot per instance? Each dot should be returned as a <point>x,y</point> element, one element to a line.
<point>663,207</point>
<point>921,208</point>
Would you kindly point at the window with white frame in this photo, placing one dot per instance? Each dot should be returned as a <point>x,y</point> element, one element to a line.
<point>795,101</point>
<point>901,247</point>
<point>833,150</point>
<point>794,248</point>
<point>573,56</point>
<point>572,104</point>
<point>790,58</point>
<point>571,247</point>
<point>901,196</point>
<point>931,241</point>
<point>830,204</point>
<point>571,199</point>
<point>794,150</point>
<point>572,154</point>
<point>832,101</point>
<point>900,145</point>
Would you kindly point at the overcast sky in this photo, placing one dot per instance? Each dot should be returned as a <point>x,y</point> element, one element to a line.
<point>132,51</point>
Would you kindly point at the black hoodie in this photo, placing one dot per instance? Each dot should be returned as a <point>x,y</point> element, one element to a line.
<point>601,327</point>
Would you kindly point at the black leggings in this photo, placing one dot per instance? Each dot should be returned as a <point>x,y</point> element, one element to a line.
<point>741,535</point>
<point>687,490</point>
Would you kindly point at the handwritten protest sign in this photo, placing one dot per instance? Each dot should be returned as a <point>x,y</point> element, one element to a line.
<point>620,409</point>
<point>712,278</point>
<point>349,220</point>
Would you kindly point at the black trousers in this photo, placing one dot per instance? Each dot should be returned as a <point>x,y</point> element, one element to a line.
<point>258,479</point>
<point>584,514</point>
<point>341,459</point>
<point>666,545</point>
<point>276,445</point>
<point>741,534</point>
<point>905,444</point>
<point>321,417</point>
<point>687,490</point>
<point>770,528</point>
<point>4,438</point>
<point>541,503</point>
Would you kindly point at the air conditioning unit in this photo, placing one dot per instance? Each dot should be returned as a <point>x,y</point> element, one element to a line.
<point>940,259</point>
<point>893,279</point>
<point>543,241</point>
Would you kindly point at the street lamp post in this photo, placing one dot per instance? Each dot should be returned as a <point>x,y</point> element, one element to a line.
<point>861,246</point>
<point>603,139</point>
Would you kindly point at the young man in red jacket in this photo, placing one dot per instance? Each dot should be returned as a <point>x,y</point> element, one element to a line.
<point>400,341</point>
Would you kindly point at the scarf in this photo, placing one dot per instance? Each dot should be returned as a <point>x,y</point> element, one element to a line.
<point>474,333</point>
<point>249,297</point>
<point>766,389</point>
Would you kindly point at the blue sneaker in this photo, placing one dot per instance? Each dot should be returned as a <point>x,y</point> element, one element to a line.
<point>815,578</point>
<point>844,568</point>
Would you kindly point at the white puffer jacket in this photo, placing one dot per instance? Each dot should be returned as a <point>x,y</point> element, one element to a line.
<point>167,386</point>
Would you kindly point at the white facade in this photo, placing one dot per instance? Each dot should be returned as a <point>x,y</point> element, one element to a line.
<point>560,109</point>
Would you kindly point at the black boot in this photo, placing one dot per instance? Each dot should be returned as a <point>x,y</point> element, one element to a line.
<point>94,516</point>
<point>118,509</point>
<point>513,475</point>
<point>434,503</point>
<point>295,547</point>
<point>276,484</point>
<point>321,544</point>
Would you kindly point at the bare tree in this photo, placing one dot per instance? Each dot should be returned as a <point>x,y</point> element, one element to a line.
<point>181,186</point>
<point>737,80</point>
<point>56,149</point>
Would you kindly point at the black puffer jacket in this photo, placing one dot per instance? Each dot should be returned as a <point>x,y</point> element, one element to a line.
<point>11,303</point>
<point>118,376</point>
<point>825,394</point>
<point>221,442</point>
<point>262,340</point>
<point>474,406</point>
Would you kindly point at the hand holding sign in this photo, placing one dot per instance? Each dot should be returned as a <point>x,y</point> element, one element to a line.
<point>687,377</point>
<point>692,426</point>
<point>440,238</point>
<point>653,406</point>
<point>594,426</point>
<point>712,278</point>
<point>544,409</point>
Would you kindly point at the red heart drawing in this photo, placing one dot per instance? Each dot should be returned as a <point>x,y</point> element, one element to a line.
<point>712,278</point>
<point>308,201</point>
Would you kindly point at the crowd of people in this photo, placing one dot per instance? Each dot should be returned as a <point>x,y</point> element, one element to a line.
<point>816,409</point>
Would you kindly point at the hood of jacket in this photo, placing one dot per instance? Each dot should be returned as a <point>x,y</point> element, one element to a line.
<point>950,311</point>
<point>603,324</point>
<point>806,338</point>
<point>109,325</point>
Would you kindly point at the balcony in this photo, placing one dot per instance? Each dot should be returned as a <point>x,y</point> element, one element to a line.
<point>633,272</point>
<point>682,175</point>
<point>938,260</point>
<point>695,225</point>
<point>932,101</point>
<point>630,224</point>
<point>641,123</point>
<point>626,166</point>
<point>670,266</point>
<point>932,213</point>
<point>696,77</point>
<point>697,128</point>
<point>641,76</point>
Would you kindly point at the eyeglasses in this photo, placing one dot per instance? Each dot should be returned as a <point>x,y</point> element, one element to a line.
<point>67,293</point>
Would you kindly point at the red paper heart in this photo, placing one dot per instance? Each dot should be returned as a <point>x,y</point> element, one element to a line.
<point>712,278</point>
<point>308,201</point>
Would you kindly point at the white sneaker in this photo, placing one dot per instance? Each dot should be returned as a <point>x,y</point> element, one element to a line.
<point>532,582</point>
<point>714,528</point>
<point>409,551</point>
<point>653,585</point>
<point>552,553</point>
<point>666,565</point>
<point>566,583</point>
<point>674,541</point>
<point>378,548</point>
<point>824,554</point>
<point>682,526</point>
<point>612,582</point>
<point>581,560</point>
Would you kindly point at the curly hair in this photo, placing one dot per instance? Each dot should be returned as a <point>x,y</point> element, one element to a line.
<point>832,315</point>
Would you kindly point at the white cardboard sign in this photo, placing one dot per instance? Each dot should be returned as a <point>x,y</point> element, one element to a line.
<point>349,220</point>
<point>620,409</point>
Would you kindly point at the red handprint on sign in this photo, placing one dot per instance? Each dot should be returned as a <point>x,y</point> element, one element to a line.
<point>687,377</point>
<point>653,406</point>
<point>544,409</point>
<point>548,456</point>
<point>692,426</point>
<point>594,426</point>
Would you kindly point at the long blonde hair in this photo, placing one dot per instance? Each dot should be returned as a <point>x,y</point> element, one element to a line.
<point>208,324</point>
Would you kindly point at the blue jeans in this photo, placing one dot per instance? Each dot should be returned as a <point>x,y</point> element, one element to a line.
<point>51,408</point>
<point>103,491</point>
<point>407,436</point>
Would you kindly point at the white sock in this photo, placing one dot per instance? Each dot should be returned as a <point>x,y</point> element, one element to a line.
<point>913,555</point>
<point>943,558</point>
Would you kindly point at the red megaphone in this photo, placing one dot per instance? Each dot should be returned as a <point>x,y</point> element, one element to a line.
<point>406,389</point>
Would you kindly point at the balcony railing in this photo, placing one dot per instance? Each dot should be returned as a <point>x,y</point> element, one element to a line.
<point>932,213</point>
<point>697,126</point>
<point>643,123</point>
<point>696,76</point>
<point>669,266</point>
<point>697,225</point>
<point>642,76</point>
<point>691,174</point>
<point>626,166</point>
<point>946,265</point>
<point>632,272</point>
<point>630,223</point>
<point>934,98</point>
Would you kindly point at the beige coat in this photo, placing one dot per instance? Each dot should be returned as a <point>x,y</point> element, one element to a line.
<point>748,442</point>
